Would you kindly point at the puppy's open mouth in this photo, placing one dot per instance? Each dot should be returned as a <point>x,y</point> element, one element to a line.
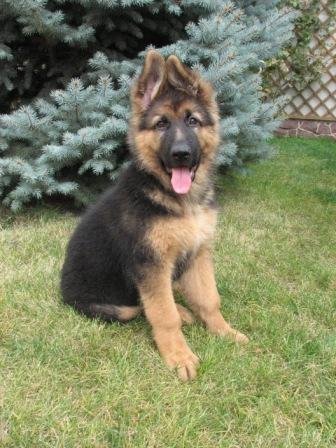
<point>181,178</point>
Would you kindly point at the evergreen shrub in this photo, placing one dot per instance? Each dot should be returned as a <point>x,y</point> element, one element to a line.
<point>66,67</point>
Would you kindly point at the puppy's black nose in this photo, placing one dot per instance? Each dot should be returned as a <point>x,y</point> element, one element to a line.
<point>181,152</point>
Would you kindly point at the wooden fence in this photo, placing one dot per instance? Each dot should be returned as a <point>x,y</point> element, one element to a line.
<point>312,110</point>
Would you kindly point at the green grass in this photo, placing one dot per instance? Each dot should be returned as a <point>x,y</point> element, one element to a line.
<point>70,382</point>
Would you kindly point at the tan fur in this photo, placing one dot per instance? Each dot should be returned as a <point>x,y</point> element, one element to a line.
<point>147,144</point>
<point>190,227</point>
<point>161,312</point>
<point>161,198</point>
<point>170,237</point>
<point>153,61</point>
<point>199,288</point>
<point>179,134</point>
<point>181,77</point>
<point>185,315</point>
<point>126,313</point>
<point>173,236</point>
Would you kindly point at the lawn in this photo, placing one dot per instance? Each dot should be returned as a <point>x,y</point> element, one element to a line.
<point>69,382</point>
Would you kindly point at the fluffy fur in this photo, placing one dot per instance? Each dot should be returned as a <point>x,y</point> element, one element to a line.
<point>144,237</point>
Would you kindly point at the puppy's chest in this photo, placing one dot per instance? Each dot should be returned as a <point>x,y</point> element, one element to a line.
<point>185,234</point>
<point>200,226</point>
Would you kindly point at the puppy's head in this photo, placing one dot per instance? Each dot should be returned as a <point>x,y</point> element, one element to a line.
<point>174,126</point>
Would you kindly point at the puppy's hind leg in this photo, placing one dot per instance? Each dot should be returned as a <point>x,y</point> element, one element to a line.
<point>185,315</point>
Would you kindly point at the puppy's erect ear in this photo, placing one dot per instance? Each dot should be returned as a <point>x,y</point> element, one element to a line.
<point>181,77</point>
<point>151,78</point>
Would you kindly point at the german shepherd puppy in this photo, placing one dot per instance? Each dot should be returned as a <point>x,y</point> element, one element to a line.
<point>153,230</point>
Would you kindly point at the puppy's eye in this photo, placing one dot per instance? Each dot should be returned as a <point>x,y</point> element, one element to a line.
<point>192,122</point>
<point>162,124</point>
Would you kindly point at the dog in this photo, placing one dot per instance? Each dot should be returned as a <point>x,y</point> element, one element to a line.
<point>152,232</point>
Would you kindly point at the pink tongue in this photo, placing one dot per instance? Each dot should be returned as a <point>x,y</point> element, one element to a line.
<point>181,180</point>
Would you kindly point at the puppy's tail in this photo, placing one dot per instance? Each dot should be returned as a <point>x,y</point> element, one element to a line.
<point>107,312</point>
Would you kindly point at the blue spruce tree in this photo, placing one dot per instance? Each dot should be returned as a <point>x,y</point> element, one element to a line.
<point>66,70</point>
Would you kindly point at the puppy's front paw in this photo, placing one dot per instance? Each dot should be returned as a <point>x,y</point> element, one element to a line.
<point>177,355</point>
<point>185,363</point>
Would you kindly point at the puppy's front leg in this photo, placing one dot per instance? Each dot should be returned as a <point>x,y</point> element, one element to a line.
<point>161,312</point>
<point>198,285</point>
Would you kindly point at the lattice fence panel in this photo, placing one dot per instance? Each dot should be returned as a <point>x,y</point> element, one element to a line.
<point>318,100</point>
